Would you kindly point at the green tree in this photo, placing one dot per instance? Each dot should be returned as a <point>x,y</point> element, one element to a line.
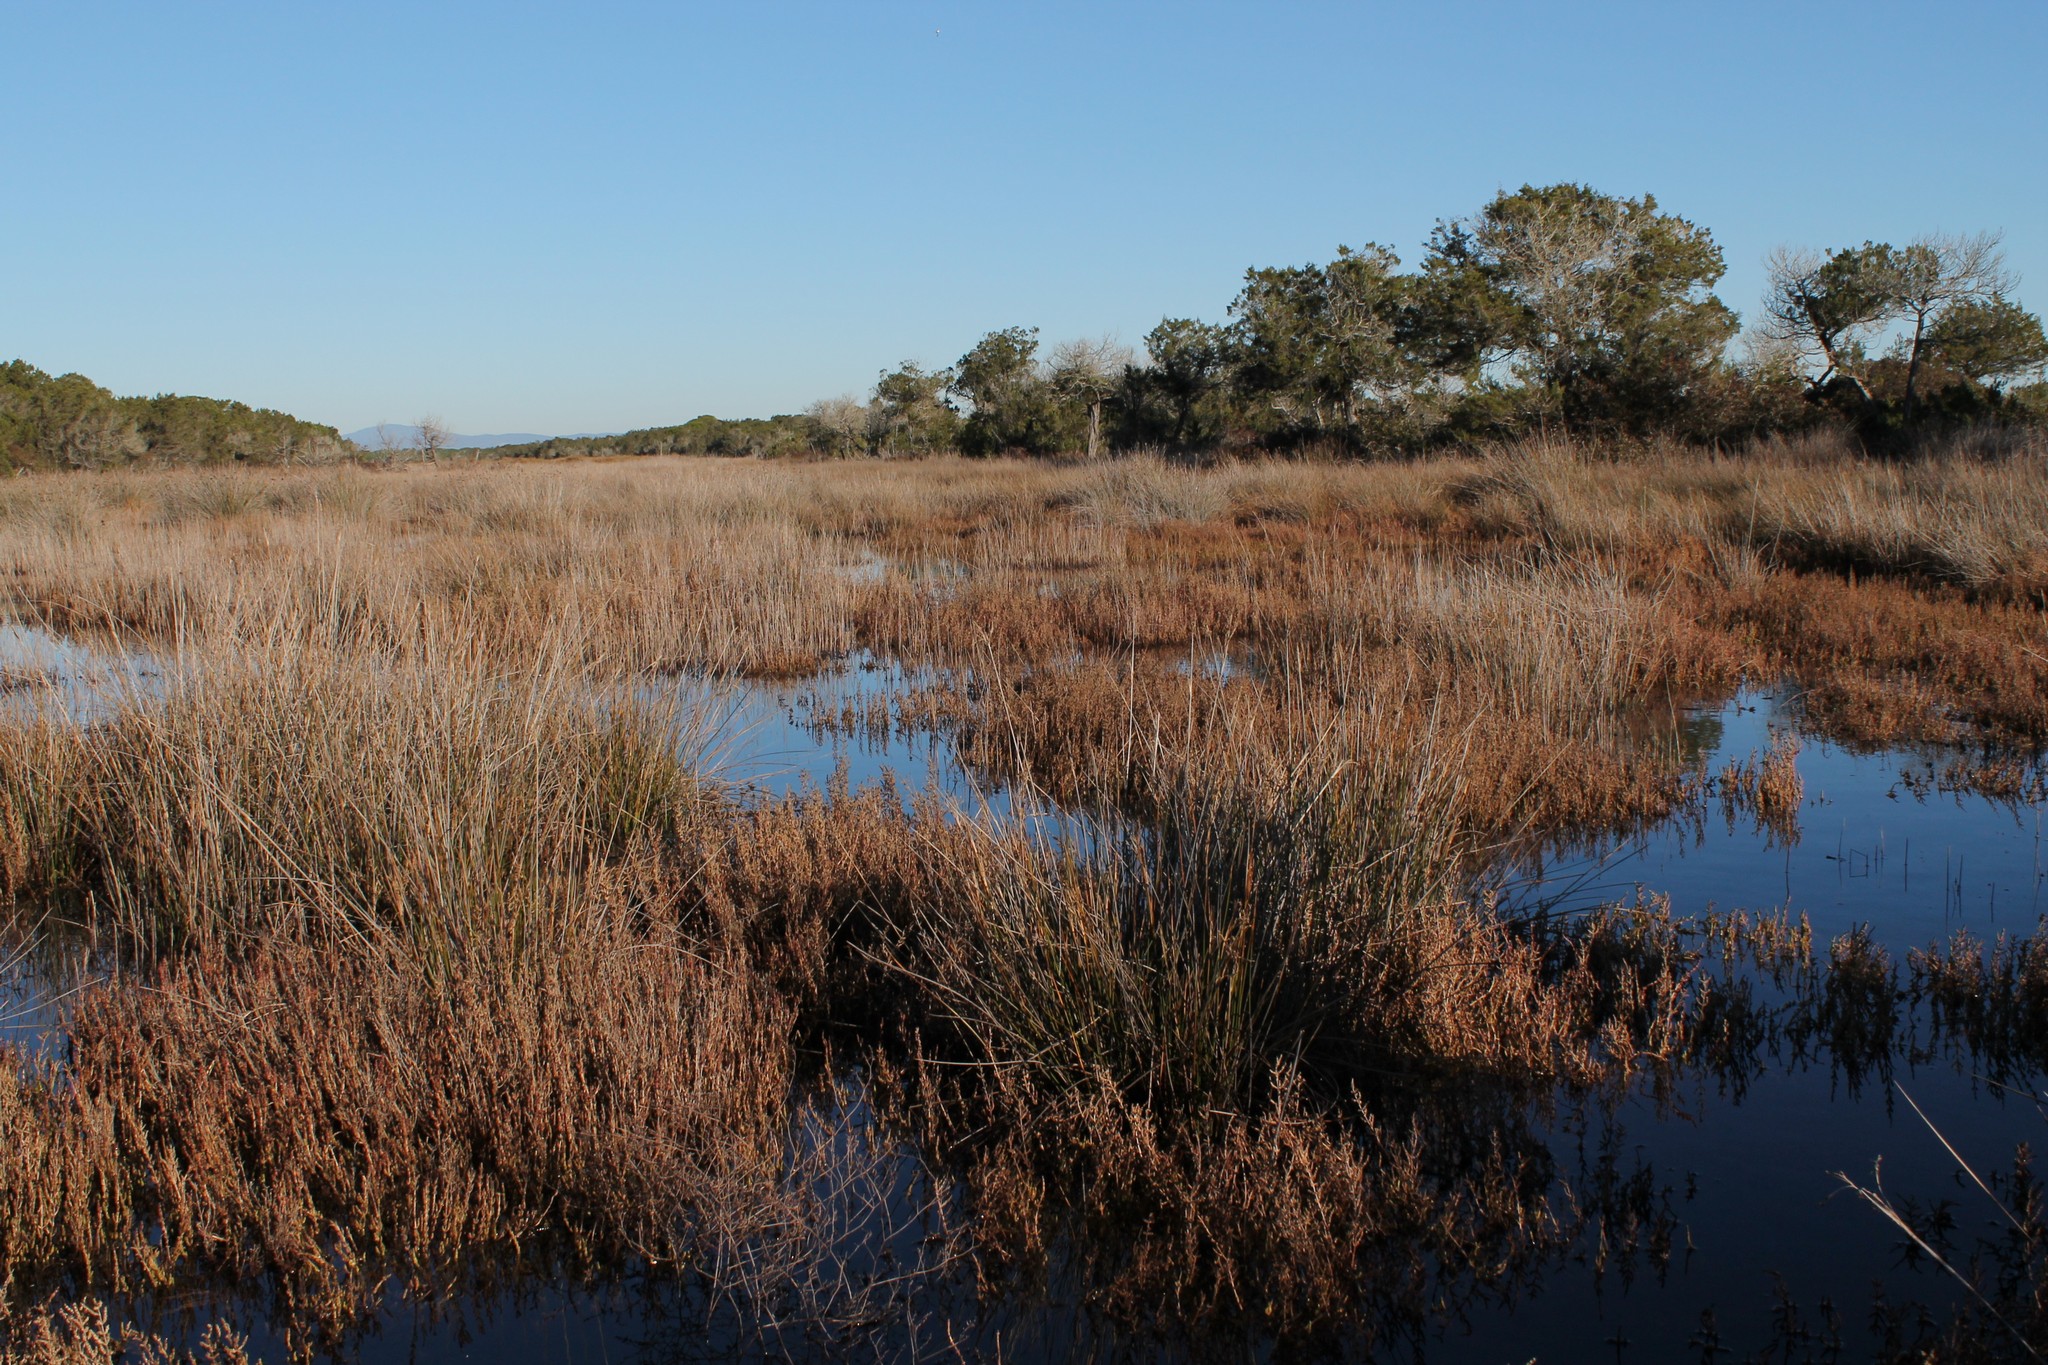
<point>1012,405</point>
<point>1947,293</point>
<point>1931,277</point>
<point>70,422</point>
<point>1322,345</point>
<point>1604,305</point>
<point>1826,307</point>
<point>911,411</point>
<point>1992,341</point>
<point>1190,362</point>
<point>67,421</point>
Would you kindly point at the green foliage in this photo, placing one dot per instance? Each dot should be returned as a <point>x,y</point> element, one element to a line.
<point>1832,305</point>
<point>1319,348</point>
<point>763,437</point>
<point>1014,406</point>
<point>912,412</point>
<point>1604,305</point>
<point>1958,340</point>
<point>1991,341</point>
<point>1178,399</point>
<point>69,422</point>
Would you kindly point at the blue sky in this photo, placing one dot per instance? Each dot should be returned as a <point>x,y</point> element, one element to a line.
<point>557,218</point>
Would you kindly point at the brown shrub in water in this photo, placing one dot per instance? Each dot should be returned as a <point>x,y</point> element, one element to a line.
<point>1091,733</point>
<point>81,1334</point>
<point>1887,661</point>
<point>308,1123</point>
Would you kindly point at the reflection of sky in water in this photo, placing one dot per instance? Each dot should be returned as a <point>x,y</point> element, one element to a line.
<point>761,735</point>
<point>41,671</point>
<point>32,1008</point>
<point>1914,867</point>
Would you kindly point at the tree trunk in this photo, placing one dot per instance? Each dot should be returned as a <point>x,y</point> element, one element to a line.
<point>1913,365</point>
<point>1836,370</point>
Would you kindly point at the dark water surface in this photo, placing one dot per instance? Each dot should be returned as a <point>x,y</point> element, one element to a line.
<point>1879,847</point>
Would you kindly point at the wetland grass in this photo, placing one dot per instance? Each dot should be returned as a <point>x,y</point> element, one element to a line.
<point>430,948</point>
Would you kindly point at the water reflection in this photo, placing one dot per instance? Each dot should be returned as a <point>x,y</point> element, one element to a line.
<point>45,673</point>
<point>852,724</point>
<point>1884,839</point>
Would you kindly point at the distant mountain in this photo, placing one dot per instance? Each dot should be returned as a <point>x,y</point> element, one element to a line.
<point>406,437</point>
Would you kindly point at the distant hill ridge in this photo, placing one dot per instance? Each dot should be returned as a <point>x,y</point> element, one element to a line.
<point>783,434</point>
<point>403,436</point>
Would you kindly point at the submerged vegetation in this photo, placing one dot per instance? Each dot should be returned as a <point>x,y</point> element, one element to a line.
<point>421,948</point>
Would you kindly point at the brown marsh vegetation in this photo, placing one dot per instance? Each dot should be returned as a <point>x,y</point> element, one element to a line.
<point>421,946</point>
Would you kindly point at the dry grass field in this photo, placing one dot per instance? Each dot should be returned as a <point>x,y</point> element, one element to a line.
<point>422,943</point>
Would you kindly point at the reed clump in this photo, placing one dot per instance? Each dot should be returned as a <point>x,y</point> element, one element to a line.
<point>1184,958</point>
<point>332,789</point>
<point>1204,1050</point>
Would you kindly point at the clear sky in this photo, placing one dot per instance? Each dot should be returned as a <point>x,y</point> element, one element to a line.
<point>595,216</point>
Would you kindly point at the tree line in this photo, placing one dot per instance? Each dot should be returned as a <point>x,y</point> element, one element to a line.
<point>1551,308</point>
<point>1555,307</point>
<point>69,422</point>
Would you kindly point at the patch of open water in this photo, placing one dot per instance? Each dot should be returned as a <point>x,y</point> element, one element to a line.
<point>1879,847</point>
<point>32,1004</point>
<point>779,738</point>
<point>43,672</point>
<point>1878,844</point>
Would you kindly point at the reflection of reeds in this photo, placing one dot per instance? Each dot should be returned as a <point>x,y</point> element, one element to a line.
<point>2005,1276</point>
<point>81,1333</point>
<point>318,1122</point>
<point>1768,786</point>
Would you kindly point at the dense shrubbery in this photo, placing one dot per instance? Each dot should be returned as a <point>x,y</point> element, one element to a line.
<point>70,422</point>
